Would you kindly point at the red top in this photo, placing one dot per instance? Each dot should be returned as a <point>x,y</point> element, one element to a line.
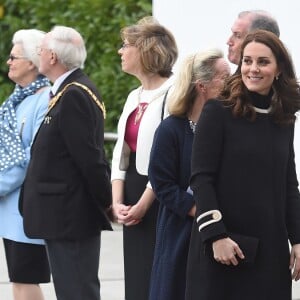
<point>133,125</point>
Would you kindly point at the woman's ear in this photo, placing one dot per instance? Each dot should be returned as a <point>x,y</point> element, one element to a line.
<point>200,87</point>
<point>31,66</point>
<point>278,73</point>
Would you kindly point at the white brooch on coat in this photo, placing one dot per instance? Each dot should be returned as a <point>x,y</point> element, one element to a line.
<point>47,120</point>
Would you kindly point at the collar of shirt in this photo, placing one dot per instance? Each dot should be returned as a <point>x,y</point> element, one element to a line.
<point>60,80</point>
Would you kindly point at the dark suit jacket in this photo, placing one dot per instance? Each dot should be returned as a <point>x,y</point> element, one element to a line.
<point>67,187</point>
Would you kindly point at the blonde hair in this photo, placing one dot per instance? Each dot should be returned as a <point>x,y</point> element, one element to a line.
<point>197,67</point>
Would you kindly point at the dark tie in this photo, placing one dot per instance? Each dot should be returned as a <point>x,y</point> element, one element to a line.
<point>51,95</point>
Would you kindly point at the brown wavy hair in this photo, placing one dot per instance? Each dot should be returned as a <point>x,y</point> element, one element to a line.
<point>286,91</point>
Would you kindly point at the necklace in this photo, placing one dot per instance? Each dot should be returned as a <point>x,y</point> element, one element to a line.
<point>193,125</point>
<point>140,108</point>
<point>140,111</point>
<point>143,106</point>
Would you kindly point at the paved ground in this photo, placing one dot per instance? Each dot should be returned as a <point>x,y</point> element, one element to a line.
<point>111,271</point>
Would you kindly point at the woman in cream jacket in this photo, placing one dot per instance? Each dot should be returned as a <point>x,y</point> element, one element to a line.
<point>148,53</point>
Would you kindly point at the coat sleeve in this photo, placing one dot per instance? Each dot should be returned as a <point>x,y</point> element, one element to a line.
<point>293,198</point>
<point>121,152</point>
<point>82,128</point>
<point>206,158</point>
<point>164,171</point>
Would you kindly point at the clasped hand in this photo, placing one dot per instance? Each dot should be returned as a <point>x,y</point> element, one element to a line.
<point>128,215</point>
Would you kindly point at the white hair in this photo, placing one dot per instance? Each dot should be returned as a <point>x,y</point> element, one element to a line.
<point>68,45</point>
<point>29,40</point>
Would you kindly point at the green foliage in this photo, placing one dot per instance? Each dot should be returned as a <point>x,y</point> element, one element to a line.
<point>99,22</point>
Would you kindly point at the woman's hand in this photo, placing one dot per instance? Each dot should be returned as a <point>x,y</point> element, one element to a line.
<point>119,212</point>
<point>135,214</point>
<point>192,211</point>
<point>226,251</point>
<point>295,262</point>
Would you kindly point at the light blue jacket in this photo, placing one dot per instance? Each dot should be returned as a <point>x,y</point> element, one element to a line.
<point>30,113</point>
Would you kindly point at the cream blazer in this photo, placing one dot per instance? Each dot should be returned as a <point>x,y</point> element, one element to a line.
<point>148,125</point>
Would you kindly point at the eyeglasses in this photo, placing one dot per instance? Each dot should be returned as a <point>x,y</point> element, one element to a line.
<point>13,57</point>
<point>126,45</point>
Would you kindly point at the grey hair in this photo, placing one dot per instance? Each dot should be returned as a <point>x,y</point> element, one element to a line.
<point>68,45</point>
<point>261,19</point>
<point>29,40</point>
<point>264,22</point>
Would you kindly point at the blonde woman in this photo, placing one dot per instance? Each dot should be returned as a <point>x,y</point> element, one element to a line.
<point>200,77</point>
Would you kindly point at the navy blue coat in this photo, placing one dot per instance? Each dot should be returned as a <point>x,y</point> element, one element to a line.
<point>169,173</point>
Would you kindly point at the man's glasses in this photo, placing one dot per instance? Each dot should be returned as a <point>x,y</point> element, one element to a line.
<point>13,57</point>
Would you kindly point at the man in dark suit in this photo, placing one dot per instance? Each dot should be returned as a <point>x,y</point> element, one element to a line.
<point>66,192</point>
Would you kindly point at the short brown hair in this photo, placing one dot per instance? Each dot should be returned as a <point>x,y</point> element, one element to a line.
<point>156,44</point>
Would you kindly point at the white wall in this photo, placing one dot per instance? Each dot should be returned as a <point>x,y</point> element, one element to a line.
<point>199,24</point>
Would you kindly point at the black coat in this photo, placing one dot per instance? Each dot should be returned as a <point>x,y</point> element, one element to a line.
<point>246,170</point>
<point>67,187</point>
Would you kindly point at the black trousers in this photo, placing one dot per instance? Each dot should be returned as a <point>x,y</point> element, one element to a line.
<point>138,240</point>
<point>74,265</point>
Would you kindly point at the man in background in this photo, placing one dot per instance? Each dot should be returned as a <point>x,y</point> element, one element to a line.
<point>248,21</point>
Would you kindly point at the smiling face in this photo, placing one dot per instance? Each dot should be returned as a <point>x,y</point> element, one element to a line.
<point>21,70</point>
<point>259,68</point>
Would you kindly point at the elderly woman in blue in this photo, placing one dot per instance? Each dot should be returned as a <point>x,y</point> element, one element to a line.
<point>20,117</point>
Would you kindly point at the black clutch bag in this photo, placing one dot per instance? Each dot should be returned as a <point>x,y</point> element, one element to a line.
<point>248,244</point>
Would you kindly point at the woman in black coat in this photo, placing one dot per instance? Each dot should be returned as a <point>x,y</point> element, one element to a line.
<point>245,184</point>
<point>200,77</point>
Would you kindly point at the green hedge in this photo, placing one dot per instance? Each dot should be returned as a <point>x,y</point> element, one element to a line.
<point>99,22</point>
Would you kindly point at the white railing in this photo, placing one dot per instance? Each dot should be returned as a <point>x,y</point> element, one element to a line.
<point>110,136</point>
